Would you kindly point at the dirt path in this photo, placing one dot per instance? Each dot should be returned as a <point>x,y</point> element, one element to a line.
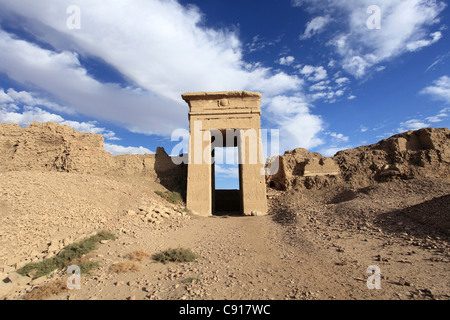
<point>248,258</point>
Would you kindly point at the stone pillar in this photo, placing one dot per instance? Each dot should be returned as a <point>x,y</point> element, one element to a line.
<point>199,174</point>
<point>253,184</point>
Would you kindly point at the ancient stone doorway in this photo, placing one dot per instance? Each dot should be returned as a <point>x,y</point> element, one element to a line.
<point>226,197</point>
<point>225,119</point>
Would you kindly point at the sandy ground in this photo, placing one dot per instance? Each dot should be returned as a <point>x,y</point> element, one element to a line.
<point>313,245</point>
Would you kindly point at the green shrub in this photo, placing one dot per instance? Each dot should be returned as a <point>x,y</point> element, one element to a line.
<point>175,255</point>
<point>67,256</point>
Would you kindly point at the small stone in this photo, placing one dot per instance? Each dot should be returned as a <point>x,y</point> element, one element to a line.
<point>38,281</point>
<point>16,278</point>
<point>53,247</point>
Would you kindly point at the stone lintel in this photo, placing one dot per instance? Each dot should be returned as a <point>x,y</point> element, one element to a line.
<point>225,112</point>
<point>220,95</point>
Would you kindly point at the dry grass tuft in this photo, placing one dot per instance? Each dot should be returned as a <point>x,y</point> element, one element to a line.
<point>47,290</point>
<point>126,266</point>
<point>175,255</point>
<point>138,255</point>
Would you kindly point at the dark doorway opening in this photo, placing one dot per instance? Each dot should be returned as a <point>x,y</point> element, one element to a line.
<point>226,175</point>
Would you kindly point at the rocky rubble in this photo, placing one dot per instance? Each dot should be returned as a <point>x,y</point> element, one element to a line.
<point>157,213</point>
<point>423,153</point>
<point>42,212</point>
<point>53,147</point>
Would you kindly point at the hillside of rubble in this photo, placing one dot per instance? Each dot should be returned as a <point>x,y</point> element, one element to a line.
<point>423,153</point>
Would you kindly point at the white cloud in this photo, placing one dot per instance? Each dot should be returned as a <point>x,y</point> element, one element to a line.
<point>320,86</point>
<point>413,124</point>
<point>405,26</point>
<point>165,50</point>
<point>315,26</point>
<point>314,73</point>
<point>33,111</point>
<point>299,128</point>
<point>4,97</point>
<point>441,116</point>
<point>338,136</point>
<point>62,76</point>
<point>439,60</point>
<point>339,93</point>
<point>90,127</point>
<point>341,81</point>
<point>419,44</point>
<point>331,151</point>
<point>356,65</point>
<point>27,98</point>
<point>28,116</point>
<point>115,149</point>
<point>440,90</point>
<point>286,61</point>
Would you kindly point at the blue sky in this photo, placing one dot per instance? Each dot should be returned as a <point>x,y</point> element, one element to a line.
<point>328,81</point>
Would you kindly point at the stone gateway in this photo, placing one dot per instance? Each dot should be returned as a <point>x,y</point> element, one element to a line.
<point>225,119</point>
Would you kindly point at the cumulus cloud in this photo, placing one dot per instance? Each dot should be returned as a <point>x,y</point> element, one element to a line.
<point>115,149</point>
<point>28,116</point>
<point>315,26</point>
<point>413,124</point>
<point>406,26</point>
<point>299,127</point>
<point>29,108</point>
<point>26,98</point>
<point>338,136</point>
<point>314,73</point>
<point>440,90</point>
<point>286,61</point>
<point>341,81</point>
